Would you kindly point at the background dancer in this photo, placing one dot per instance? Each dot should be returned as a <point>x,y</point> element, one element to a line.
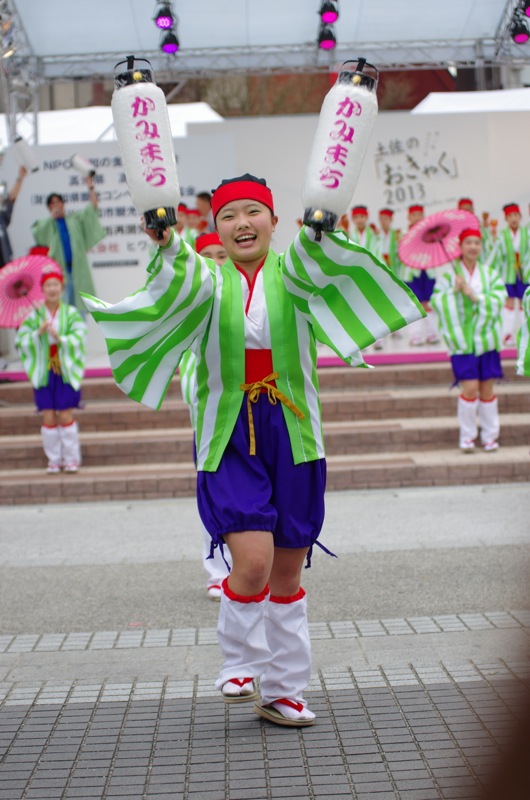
<point>208,245</point>
<point>468,298</point>
<point>422,284</point>
<point>68,238</point>
<point>514,266</point>
<point>51,344</point>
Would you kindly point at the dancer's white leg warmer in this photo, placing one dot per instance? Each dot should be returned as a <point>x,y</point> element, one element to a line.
<point>70,447</point>
<point>289,670</point>
<point>241,635</point>
<point>51,443</point>
<point>488,415</point>
<point>467,418</point>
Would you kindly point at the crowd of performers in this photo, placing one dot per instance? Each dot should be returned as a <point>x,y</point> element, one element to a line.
<point>242,322</point>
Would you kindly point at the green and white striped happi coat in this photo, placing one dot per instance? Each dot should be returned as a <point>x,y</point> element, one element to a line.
<point>469,327</point>
<point>523,339</point>
<point>505,255</point>
<point>332,291</point>
<point>34,349</point>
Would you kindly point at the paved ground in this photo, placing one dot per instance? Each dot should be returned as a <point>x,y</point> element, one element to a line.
<point>420,633</point>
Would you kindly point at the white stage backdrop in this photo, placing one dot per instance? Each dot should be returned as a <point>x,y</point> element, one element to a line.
<point>428,159</point>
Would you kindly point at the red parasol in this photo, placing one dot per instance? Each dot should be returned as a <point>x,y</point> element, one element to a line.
<point>434,240</point>
<point>20,289</point>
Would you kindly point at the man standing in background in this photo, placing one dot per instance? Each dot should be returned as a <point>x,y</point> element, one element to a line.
<point>68,238</point>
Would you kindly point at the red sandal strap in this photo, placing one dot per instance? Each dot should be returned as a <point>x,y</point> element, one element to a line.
<point>240,681</point>
<point>291,703</point>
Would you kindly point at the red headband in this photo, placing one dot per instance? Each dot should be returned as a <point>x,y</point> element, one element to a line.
<point>359,210</point>
<point>469,232</point>
<point>386,212</point>
<point>241,190</point>
<point>412,209</point>
<point>52,274</point>
<point>512,208</point>
<point>465,201</point>
<point>206,240</point>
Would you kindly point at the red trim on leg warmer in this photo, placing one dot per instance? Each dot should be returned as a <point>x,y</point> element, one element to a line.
<point>274,598</point>
<point>244,598</point>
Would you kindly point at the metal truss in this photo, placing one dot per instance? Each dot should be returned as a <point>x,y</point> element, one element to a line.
<point>20,77</point>
<point>306,58</point>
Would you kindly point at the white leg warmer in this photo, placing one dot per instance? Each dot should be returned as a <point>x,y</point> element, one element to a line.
<point>70,447</point>
<point>488,416</point>
<point>467,418</point>
<point>51,443</point>
<point>289,670</point>
<point>241,635</point>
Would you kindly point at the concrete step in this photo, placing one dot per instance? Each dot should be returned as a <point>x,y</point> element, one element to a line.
<point>358,405</point>
<point>364,471</point>
<point>331,379</point>
<point>174,445</point>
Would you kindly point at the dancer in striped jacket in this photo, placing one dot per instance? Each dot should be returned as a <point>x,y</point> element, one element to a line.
<point>523,344</point>
<point>468,298</point>
<point>51,344</point>
<point>253,323</point>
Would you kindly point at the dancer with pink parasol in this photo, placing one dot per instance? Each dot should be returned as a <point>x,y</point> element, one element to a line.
<point>430,242</point>
<point>51,344</point>
<point>468,298</point>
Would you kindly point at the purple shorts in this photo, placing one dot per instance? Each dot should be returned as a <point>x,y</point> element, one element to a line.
<point>422,286</point>
<point>57,395</point>
<point>517,289</point>
<point>470,367</point>
<point>266,491</point>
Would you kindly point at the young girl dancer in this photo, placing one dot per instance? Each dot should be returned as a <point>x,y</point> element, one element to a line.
<point>254,322</point>
<point>51,343</point>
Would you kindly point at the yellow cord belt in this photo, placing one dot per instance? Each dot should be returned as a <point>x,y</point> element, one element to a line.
<point>273,394</point>
<point>54,362</point>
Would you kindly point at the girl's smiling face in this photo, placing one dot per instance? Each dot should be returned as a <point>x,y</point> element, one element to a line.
<point>245,227</point>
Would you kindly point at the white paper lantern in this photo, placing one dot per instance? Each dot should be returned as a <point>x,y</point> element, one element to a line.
<point>24,155</point>
<point>141,122</point>
<point>344,128</point>
<point>83,165</point>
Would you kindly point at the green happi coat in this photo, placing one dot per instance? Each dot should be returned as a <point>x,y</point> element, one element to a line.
<point>523,339</point>
<point>505,255</point>
<point>85,231</point>
<point>34,348</point>
<point>393,256</point>
<point>332,291</point>
<point>469,327</point>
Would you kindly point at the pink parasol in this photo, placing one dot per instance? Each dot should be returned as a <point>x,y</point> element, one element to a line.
<point>20,289</point>
<point>434,240</point>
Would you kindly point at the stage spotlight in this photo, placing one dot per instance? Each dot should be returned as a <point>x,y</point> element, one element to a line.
<point>329,12</point>
<point>164,17</point>
<point>526,7</point>
<point>519,31</point>
<point>169,42</point>
<point>326,38</point>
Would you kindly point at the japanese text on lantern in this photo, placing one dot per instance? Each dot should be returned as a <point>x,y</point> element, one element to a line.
<point>149,150</point>
<point>342,135</point>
